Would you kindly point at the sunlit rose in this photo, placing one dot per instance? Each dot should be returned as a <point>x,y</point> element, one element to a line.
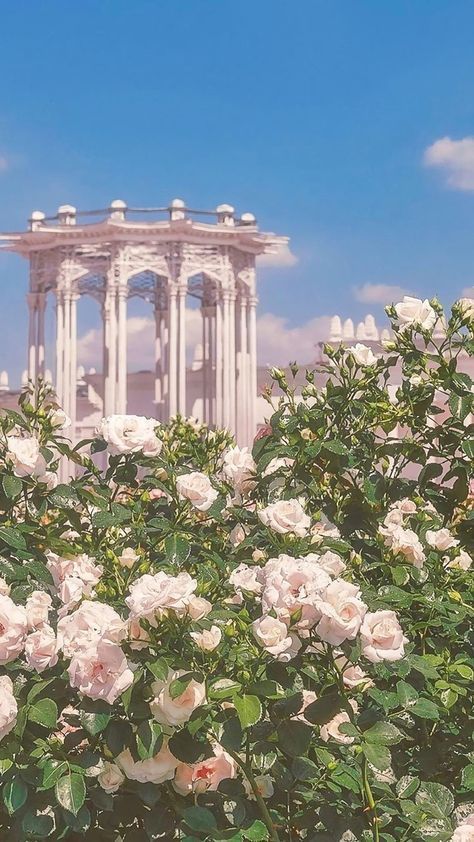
<point>176,710</point>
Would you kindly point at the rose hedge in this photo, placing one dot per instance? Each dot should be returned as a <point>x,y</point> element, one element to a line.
<point>203,642</point>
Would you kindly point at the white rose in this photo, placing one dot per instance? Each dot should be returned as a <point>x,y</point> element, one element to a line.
<point>130,434</point>
<point>59,419</point>
<point>362,354</point>
<point>156,770</point>
<point>8,706</point>
<point>50,479</point>
<point>4,588</point>
<point>441,539</point>
<point>406,542</point>
<point>239,469</point>
<point>13,629</point>
<point>413,312</point>
<point>152,596</point>
<point>342,612</point>
<point>330,562</point>
<point>176,711</point>
<point>38,606</point>
<point>293,587</point>
<point>198,607</point>
<point>353,675</point>
<point>41,649</point>
<point>466,306</point>
<point>88,624</point>
<point>276,464</point>
<point>208,639</point>
<point>274,636</point>
<point>128,557</point>
<point>331,729</point>
<point>465,831</point>
<point>110,777</point>
<point>24,454</point>
<point>462,561</point>
<point>382,637</point>
<point>196,487</point>
<point>286,516</point>
<point>245,578</point>
<point>237,535</point>
<point>264,786</point>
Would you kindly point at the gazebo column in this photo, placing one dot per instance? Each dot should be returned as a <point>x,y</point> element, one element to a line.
<point>211,324</point>
<point>160,362</point>
<point>182,292</point>
<point>232,366</point>
<point>225,359</point>
<point>40,350</point>
<point>252,373</point>
<point>73,363</point>
<point>122,350</point>
<point>110,351</point>
<point>219,345</point>
<point>67,353</point>
<point>32,334</point>
<point>59,346</point>
<point>242,381</point>
<point>172,351</point>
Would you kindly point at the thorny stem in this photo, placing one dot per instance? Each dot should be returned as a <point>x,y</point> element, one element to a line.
<point>370,802</point>
<point>260,802</point>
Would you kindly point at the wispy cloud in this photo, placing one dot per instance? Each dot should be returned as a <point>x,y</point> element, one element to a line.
<point>3,163</point>
<point>278,342</point>
<point>455,158</point>
<point>379,293</point>
<point>467,292</point>
<point>284,257</point>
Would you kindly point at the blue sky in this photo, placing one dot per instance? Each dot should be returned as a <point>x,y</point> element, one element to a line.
<point>316,116</point>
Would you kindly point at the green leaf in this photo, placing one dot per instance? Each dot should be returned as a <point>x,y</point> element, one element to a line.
<point>407,694</point>
<point>149,739</point>
<point>323,709</point>
<point>11,536</point>
<point>294,737</point>
<point>304,769</point>
<point>179,685</point>
<point>435,799</point>
<point>256,832</point>
<point>199,819</point>
<point>468,447</point>
<point>94,723</point>
<point>177,549</point>
<point>267,689</point>
<point>158,668</point>
<point>187,748</point>
<point>407,786</point>
<point>467,776</point>
<point>37,826</point>
<point>118,735</point>
<point>335,447</point>
<point>425,709</point>
<point>44,712</point>
<point>52,771</point>
<point>249,709</point>
<point>12,486</point>
<point>383,733</point>
<point>377,755</point>
<point>15,793</point>
<point>71,792</point>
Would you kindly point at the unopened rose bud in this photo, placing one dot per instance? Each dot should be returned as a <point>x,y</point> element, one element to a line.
<point>258,555</point>
<point>306,434</point>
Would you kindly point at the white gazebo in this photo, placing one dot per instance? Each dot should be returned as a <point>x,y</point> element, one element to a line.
<point>161,255</point>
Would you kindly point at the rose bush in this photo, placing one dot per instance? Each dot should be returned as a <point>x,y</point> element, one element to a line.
<point>206,642</point>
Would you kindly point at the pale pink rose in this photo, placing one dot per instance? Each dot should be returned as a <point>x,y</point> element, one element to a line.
<point>353,675</point>
<point>87,625</point>
<point>330,731</point>
<point>82,567</point>
<point>462,561</point>
<point>24,454</point>
<point>70,592</point>
<point>50,479</point>
<point>286,516</point>
<point>362,354</point>
<point>13,629</point>
<point>100,672</point>
<point>309,696</point>
<point>405,505</point>
<point>264,785</point>
<point>244,578</point>
<point>330,562</point>
<point>394,517</point>
<point>198,607</point>
<point>58,418</point>
<point>158,494</point>
<point>110,777</point>
<point>342,612</point>
<point>208,639</point>
<point>8,706</point>
<point>465,831</point>
<point>413,312</point>
<point>277,464</point>
<point>130,434</point>
<point>37,609</point>
<point>406,542</point>
<point>152,596</point>
<point>138,636</point>
<point>237,535</point>
<point>320,531</point>
<point>441,539</point>
<point>128,557</point>
<point>177,711</point>
<point>258,555</point>
<point>4,588</point>
<point>196,487</point>
<point>382,637</point>
<point>293,588</point>
<point>274,636</point>
<point>239,469</point>
<point>155,770</point>
<point>41,649</point>
<point>205,775</point>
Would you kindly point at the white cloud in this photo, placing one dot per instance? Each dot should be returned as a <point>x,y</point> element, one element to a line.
<point>379,293</point>
<point>3,163</point>
<point>282,258</point>
<point>467,292</point>
<point>278,343</point>
<point>455,158</point>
